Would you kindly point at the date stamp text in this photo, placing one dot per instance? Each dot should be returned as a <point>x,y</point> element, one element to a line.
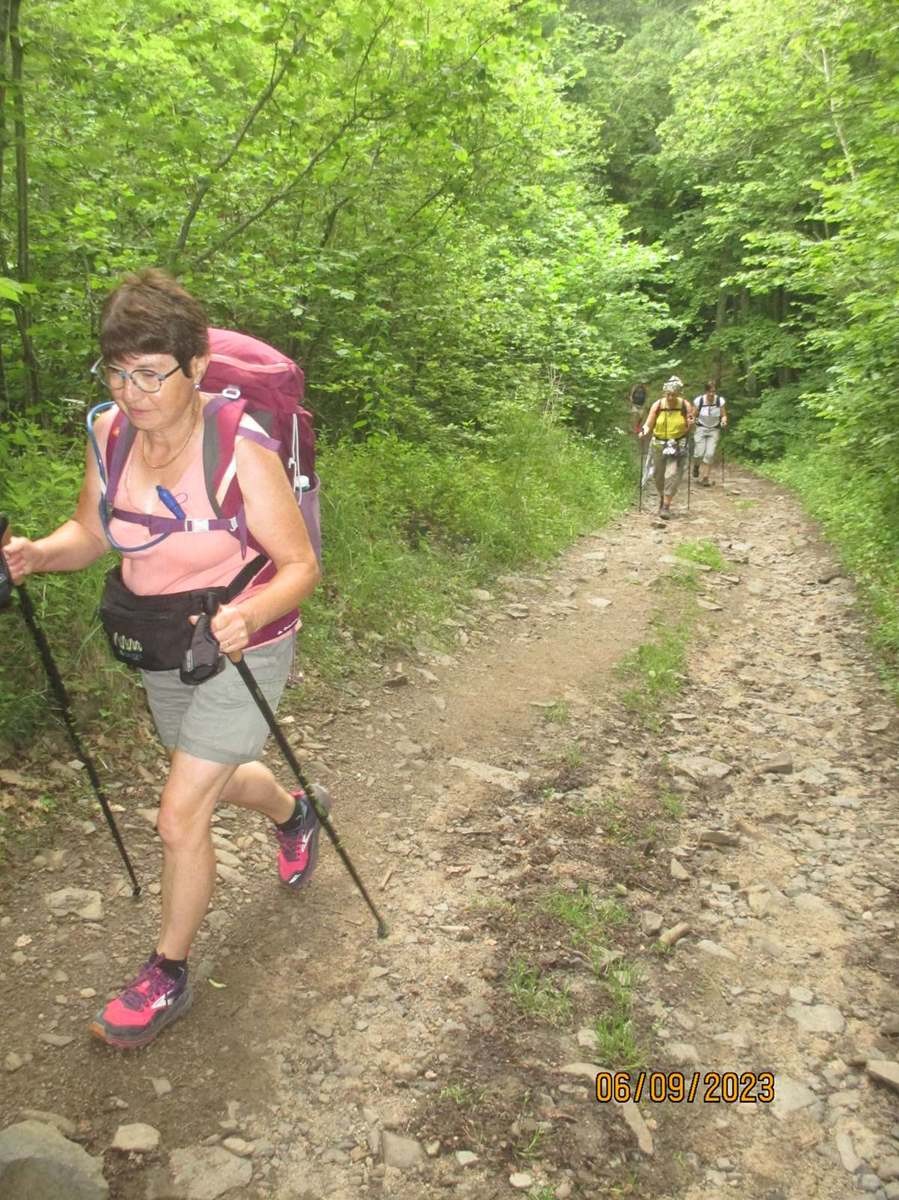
<point>679,1087</point>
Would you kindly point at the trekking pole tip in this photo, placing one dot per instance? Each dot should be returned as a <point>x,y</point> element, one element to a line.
<point>382,929</point>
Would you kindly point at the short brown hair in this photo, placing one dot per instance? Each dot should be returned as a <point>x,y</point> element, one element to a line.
<point>151,313</point>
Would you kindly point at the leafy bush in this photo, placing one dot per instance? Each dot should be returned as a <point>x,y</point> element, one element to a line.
<point>773,425</point>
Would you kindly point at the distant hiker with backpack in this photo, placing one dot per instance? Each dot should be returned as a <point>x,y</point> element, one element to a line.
<point>669,421</point>
<point>154,447</point>
<point>638,396</point>
<point>711,418</point>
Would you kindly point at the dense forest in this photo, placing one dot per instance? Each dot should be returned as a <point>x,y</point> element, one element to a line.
<point>475,224</point>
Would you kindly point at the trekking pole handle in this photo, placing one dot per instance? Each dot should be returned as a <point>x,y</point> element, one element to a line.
<point>211,605</point>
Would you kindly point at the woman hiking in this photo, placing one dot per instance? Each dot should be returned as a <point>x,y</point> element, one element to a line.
<point>711,418</point>
<point>669,421</point>
<point>155,349</point>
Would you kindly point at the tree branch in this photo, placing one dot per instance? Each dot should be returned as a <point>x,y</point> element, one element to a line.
<point>205,183</point>
<point>835,117</point>
<point>281,194</point>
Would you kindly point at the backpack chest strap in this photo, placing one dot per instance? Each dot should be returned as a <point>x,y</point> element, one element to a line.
<point>158,525</point>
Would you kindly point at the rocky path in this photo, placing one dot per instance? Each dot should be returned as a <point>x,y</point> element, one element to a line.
<point>703,901</point>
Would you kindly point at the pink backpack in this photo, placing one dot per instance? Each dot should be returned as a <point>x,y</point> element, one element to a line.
<point>248,375</point>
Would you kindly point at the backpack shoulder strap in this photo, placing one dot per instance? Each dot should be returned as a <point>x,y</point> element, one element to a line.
<point>118,446</point>
<point>224,419</point>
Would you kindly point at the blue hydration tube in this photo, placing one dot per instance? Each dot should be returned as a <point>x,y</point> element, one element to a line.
<point>104,483</point>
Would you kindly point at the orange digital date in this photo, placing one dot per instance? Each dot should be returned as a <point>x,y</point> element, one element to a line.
<point>674,1087</point>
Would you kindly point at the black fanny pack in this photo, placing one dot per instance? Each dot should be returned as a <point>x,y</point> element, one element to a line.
<point>154,632</point>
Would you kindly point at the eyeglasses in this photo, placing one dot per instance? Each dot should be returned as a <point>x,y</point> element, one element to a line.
<point>143,378</point>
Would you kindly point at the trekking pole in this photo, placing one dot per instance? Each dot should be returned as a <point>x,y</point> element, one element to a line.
<point>642,463</point>
<point>645,469</point>
<point>62,699</point>
<point>689,469</point>
<point>277,733</point>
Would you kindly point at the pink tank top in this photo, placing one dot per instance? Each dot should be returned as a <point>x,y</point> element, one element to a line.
<point>183,561</point>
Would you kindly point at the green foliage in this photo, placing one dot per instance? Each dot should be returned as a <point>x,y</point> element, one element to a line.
<point>672,805</point>
<point>398,199</point>
<point>773,181</point>
<point>558,713</point>
<point>774,425</point>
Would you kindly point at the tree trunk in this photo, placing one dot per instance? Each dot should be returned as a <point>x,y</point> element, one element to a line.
<point>4,141</point>
<point>752,384</point>
<point>781,300</point>
<point>835,117</point>
<point>720,318</point>
<point>23,266</point>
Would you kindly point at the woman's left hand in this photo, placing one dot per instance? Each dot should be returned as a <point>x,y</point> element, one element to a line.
<point>231,629</point>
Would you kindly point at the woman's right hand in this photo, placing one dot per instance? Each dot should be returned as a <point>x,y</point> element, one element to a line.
<point>22,558</point>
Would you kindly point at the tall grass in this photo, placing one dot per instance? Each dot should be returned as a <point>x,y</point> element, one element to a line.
<point>408,530</point>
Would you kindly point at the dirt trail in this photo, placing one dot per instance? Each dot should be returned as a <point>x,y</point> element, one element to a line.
<point>529,839</point>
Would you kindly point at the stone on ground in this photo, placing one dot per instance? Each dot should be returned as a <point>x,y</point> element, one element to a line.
<point>136,1138</point>
<point>207,1172</point>
<point>38,1163</point>
<point>79,902</point>
<point>404,1153</point>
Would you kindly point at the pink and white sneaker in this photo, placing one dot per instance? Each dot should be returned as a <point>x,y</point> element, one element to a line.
<point>151,1001</point>
<point>298,846</point>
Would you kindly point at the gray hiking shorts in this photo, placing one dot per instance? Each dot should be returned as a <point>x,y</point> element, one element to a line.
<point>219,720</point>
<point>705,443</point>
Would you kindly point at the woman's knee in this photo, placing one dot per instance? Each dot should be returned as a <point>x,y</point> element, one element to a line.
<point>184,822</point>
